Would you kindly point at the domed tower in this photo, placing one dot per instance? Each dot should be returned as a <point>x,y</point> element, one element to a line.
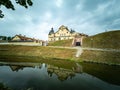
<point>51,35</point>
<point>51,31</point>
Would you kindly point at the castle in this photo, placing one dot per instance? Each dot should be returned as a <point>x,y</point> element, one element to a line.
<point>64,33</point>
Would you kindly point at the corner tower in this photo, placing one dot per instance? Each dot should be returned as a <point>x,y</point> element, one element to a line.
<point>51,35</point>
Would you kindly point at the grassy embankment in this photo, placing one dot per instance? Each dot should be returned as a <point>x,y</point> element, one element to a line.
<point>106,40</point>
<point>109,40</point>
<point>111,58</point>
<point>13,51</point>
<point>67,43</point>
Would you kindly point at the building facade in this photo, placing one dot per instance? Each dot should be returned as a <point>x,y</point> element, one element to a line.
<point>64,33</point>
<point>23,40</point>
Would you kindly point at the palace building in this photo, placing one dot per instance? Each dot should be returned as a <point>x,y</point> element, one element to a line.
<point>64,33</point>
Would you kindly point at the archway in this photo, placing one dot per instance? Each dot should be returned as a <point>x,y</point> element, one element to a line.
<point>78,44</point>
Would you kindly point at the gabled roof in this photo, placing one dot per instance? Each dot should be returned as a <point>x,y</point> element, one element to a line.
<point>24,37</point>
<point>62,27</point>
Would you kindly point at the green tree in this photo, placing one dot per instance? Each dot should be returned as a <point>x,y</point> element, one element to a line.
<point>9,5</point>
<point>4,38</point>
<point>9,38</point>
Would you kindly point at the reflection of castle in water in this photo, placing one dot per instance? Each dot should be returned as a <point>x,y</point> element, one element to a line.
<point>63,74</point>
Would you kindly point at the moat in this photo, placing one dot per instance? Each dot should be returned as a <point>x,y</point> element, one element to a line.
<point>59,75</point>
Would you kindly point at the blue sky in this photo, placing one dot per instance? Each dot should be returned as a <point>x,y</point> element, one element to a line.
<point>84,16</point>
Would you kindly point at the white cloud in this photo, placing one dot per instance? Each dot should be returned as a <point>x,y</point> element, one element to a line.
<point>37,20</point>
<point>117,21</point>
<point>101,9</point>
<point>59,3</point>
<point>78,6</point>
<point>89,28</point>
<point>47,16</point>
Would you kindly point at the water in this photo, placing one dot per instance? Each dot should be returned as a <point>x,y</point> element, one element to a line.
<point>59,75</point>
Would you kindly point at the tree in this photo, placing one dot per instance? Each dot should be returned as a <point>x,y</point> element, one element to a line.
<point>9,38</point>
<point>9,5</point>
<point>4,38</point>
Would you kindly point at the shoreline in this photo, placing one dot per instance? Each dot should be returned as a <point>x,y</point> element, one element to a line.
<point>46,52</point>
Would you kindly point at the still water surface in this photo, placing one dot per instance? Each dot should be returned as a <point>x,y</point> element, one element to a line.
<point>59,75</point>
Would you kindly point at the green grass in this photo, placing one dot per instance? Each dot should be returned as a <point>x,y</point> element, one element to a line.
<point>63,63</point>
<point>111,58</point>
<point>39,51</point>
<point>61,43</point>
<point>109,39</point>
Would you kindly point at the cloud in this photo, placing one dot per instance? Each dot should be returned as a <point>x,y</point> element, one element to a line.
<point>85,16</point>
<point>59,3</point>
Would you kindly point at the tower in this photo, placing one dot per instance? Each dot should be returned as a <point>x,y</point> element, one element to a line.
<point>51,35</point>
<point>51,31</point>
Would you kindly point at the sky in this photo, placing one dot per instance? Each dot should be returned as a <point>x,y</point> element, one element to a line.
<point>84,16</point>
